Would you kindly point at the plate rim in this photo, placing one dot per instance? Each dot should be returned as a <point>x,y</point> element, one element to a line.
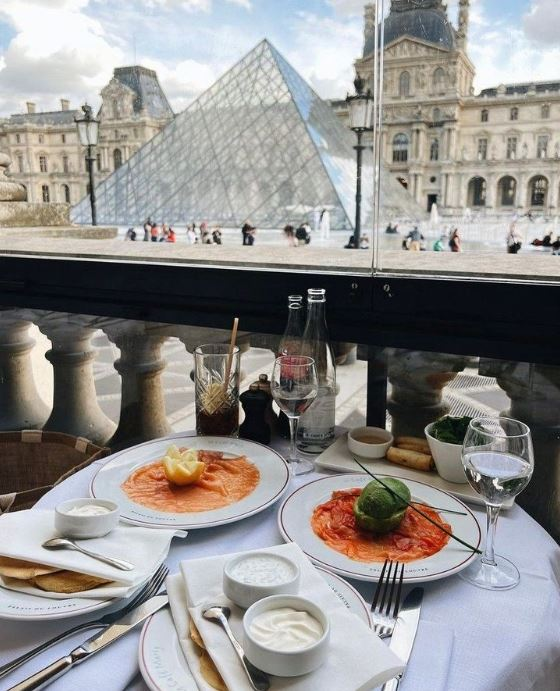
<point>59,615</point>
<point>370,578</point>
<point>190,526</point>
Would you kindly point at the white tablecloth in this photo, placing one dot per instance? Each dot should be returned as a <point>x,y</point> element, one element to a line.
<point>506,641</point>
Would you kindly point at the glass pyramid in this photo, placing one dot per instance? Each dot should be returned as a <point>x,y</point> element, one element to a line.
<point>258,145</point>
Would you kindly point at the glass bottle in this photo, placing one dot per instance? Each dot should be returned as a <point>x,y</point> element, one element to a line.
<point>316,425</point>
<point>291,344</point>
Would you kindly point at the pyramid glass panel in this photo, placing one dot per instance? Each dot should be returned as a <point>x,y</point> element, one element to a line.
<point>256,145</point>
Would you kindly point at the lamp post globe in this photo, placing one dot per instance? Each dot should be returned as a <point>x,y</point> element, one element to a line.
<point>88,134</point>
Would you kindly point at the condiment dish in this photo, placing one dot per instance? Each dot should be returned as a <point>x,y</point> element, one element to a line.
<point>447,457</point>
<point>369,442</point>
<point>253,576</point>
<point>69,520</point>
<point>286,663</point>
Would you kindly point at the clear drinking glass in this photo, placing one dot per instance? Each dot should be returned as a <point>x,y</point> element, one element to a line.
<point>498,461</point>
<point>294,386</point>
<point>216,391</point>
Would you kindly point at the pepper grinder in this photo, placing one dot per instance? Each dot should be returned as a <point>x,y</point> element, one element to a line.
<point>270,416</point>
<point>255,427</point>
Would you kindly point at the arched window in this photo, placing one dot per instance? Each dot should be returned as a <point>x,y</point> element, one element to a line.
<point>117,158</point>
<point>434,149</point>
<point>538,188</point>
<point>45,192</point>
<point>43,164</point>
<point>542,146</point>
<point>400,148</point>
<point>477,192</point>
<point>507,187</point>
<point>404,84</point>
<point>484,115</point>
<point>66,193</point>
<point>439,79</point>
<point>545,111</point>
<point>514,114</point>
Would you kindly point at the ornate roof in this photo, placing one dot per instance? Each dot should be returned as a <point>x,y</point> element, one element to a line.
<point>423,19</point>
<point>149,94</point>
<point>56,117</point>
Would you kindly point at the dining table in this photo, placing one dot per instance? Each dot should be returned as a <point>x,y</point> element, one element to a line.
<point>468,639</point>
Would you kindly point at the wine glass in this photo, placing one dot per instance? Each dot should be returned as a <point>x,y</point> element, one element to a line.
<point>294,386</point>
<point>498,461</point>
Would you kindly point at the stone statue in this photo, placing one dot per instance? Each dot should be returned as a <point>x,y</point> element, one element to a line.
<point>10,191</point>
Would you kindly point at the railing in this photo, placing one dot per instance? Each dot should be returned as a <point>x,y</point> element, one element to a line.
<point>417,383</point>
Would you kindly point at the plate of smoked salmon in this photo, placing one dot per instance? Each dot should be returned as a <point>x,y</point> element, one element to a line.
<point>191,482</point>
<point>349,525</point>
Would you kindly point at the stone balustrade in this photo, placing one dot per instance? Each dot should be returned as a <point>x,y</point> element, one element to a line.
<point>415,379</point>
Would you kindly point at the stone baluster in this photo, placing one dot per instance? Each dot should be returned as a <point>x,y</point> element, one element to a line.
<point>534,392</point>
<point>75,407</point>
<point>20,404</point>
<point>417,380</point>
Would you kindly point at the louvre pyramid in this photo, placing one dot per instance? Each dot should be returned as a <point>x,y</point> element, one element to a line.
<point>259,144</point>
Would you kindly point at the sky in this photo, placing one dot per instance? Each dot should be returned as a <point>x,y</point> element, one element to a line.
<point>52,49</point>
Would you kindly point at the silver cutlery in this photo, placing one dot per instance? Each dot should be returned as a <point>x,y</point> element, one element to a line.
<point>404,632</point>
<point>149,590</point>
<point>387,597</point>
<point>65,543</point>
<point>257,678</point>
<point>92,645</point>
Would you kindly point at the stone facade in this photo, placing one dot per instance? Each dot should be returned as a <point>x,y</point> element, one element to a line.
<point>496,151</point>
<point>44,146</point>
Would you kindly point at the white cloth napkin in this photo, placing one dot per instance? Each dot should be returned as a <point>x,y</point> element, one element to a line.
<point>23,532</point>
<point>357,659</point>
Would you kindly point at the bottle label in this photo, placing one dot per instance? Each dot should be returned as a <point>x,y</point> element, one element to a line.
<point>317,423</point>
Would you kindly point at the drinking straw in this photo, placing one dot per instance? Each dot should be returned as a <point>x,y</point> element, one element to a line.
<point>230,354</point>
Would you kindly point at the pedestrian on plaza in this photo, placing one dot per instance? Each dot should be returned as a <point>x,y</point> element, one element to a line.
<point>513,240</point>
<point>164,232</point>
<point>547,240</point>
<point>171,236</point>
<point>130,234</point>
<point>205,235</point>
<point>364,242</point>
<point>154,232</point>
<point>217,236</point>
<point>248,232</point>
<point>302,236</point>
<point>191,235</point>
<point>556,246</point>
<point>415,238</point>
<point>438,244</point>
<point>351,244</point>
<point>455,241</point>
<point>289,232</point>
<point>147,228</point>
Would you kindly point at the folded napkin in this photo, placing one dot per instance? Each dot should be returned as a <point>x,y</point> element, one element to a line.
<point>357,659</point>
<point>22,534</point>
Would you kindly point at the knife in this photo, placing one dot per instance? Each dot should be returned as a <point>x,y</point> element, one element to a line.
<point>92,645</point>
<point>404,632</point>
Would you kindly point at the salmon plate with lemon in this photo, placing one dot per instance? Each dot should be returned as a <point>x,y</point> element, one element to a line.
<point>188,481</point>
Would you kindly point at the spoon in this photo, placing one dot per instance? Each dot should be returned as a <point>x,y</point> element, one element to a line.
<point>65,543</point>
<point>220,615</point>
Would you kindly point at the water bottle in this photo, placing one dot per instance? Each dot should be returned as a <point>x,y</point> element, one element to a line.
<point>291,344</point>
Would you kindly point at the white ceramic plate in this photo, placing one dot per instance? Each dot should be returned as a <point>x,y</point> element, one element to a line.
<point>24,607</point>
<point>275,475</point>
<point>294,521</point>
<point>161,660</point>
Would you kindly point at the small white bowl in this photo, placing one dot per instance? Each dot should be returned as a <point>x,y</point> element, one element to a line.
<point>286,663</point>
<point>366,449</point>
<point>447,457</point>
<point>246,589</point>
<point>69,525</point>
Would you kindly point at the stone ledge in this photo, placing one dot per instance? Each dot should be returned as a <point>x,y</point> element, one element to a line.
<point>68,232</point>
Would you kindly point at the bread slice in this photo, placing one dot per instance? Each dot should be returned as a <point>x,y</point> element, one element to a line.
<point>23,570</point>
<point>67,582</point>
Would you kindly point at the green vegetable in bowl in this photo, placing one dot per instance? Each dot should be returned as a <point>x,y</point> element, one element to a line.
<point>378,510</point>
<point>451,429</point>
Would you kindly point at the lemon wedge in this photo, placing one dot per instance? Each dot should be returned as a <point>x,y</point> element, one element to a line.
<point>182,467</point>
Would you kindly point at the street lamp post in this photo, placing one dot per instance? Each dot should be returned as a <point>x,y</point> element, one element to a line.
<point>88,132</point>
<point>360,106</point>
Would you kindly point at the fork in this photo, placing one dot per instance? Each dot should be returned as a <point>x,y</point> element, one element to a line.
<point>387,598</point>
<point>150,588</point>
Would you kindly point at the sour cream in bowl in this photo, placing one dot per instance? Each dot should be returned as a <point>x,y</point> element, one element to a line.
<point>252,576</point>
<point>286,635</point>
<point>86,518</point>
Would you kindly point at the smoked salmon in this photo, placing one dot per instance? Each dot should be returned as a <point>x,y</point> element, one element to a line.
<point>415,538</point>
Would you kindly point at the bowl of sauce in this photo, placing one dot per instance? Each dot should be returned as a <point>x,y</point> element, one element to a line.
<point>286,635</point>
<point>369,442</point>
<point>255,575</point>
<point>86,518</point>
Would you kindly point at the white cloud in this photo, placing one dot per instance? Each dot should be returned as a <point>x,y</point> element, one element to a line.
<point>348,7</point>
<point>542,22</point>
<point>246,4</point>
<point>183,81</point>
